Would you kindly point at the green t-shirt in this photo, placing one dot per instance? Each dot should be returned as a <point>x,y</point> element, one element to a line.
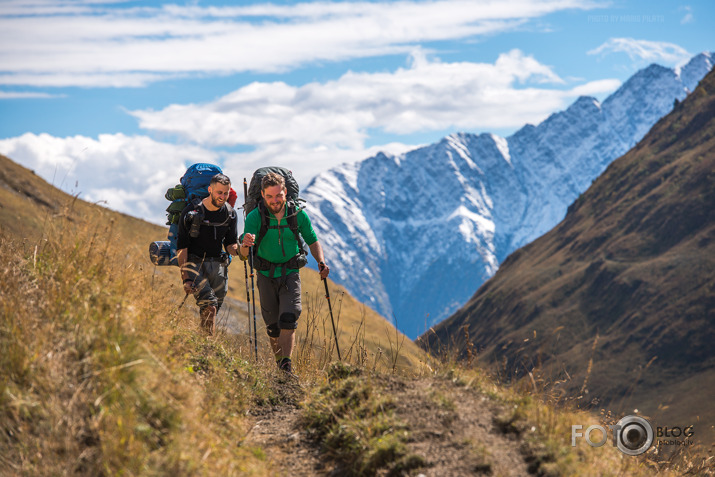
<point>279,244</point>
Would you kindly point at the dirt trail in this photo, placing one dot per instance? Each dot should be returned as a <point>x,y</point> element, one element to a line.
<point>285,444</point>
<point>277,430</point>
<point>452,428</point>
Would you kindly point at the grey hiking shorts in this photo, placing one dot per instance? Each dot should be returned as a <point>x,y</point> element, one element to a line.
<point>280,304</point>
<point>211,280</point>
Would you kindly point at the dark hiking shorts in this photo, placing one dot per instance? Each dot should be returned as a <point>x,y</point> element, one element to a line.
<point>211,283</point>
<point>280,304</point>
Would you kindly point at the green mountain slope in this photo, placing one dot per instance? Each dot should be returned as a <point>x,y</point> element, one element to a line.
<point>617,303</point>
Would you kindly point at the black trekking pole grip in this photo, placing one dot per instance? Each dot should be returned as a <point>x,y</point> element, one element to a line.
<point>332,320</point>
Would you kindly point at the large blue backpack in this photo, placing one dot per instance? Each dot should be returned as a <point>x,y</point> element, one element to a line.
<point>192,188</point>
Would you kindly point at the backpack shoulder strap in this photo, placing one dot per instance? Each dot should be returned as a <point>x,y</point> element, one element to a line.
<point>292,218</point>
<point>264,224</point>
<point>195,206</point>
<point>230,215</point>
<point>231,211</point>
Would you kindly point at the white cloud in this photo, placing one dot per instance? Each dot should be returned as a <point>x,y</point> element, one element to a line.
<point>84,80</point>
<point>53,42</point>
<point>130,174</point>
<point>126,173</point>
<point>688,18</point>
<point>27,95</point>
<point>308,128</point>
<point>650,51</point>
<point>427,96</point>
<point>595,88</point>
<point>304,162</point>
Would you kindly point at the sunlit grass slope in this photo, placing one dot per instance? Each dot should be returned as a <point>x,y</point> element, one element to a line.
<point>103,372</point>
<point>29,205</point>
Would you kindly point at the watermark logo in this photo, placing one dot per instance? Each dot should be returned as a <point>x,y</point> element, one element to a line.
<point>675,436</point>
<point>633,435</point>
<point>646,18</point>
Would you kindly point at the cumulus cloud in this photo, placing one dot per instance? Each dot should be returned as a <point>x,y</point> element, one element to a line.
<point>56,43</point>
<point>125,173</point>
<point>644,50</point>
<point>333,118</point>
<point>429,95</point>
<point>308,128</point>
<point>130,174</point>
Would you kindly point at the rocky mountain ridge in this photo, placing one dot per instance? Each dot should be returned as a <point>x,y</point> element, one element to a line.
<point>415,235</point>
<point>615,305</point>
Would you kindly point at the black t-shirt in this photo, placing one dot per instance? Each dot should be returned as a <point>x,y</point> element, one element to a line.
<point>217,229</point>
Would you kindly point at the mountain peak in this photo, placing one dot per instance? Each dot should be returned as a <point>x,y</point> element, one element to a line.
<point>480,197</point>
<point>695,69</point>
<point>624,279</point>
<point>585,103</point>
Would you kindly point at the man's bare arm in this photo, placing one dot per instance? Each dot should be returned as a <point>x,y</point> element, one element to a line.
<point>317,252</point>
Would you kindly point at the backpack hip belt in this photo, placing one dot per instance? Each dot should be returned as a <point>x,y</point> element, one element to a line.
<point>197,259</point>
<point>297,262</point>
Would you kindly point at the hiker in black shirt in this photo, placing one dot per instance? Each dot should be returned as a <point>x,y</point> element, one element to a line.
<point>205,230</point>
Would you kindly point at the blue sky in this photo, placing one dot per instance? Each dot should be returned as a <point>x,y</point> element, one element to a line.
<point>113,100</point>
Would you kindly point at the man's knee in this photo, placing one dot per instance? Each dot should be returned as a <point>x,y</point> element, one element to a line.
<point>288,321</point>
<point>208,310</point>
<point>273,330</point>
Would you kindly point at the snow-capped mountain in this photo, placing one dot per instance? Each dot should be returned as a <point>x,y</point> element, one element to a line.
<point>415,235</point>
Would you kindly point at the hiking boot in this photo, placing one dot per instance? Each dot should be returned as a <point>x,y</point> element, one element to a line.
<point>286,365</point>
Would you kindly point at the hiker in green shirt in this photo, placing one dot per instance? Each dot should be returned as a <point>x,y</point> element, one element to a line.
<point>277,256</point>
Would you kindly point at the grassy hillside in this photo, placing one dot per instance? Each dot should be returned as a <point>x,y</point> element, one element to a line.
<point>103,373</point>
<point>30,205</point>
<point>617,302</point>
<point>97,349</point>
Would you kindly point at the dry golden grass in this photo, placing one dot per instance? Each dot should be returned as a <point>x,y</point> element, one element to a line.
<point>536,413</point>
<point>103,373</point>
<point>95,378</point>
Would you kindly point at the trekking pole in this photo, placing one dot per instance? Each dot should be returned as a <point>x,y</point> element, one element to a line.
<point>182,302</point>
<point>327,295</point>
<point>245,269</point>
<point>253,299</point>
<point>253,289</point>
<point>248,306</point>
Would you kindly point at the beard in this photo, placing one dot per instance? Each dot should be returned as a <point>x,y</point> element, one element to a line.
<point>217,201</point>
<point>276,207</point>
